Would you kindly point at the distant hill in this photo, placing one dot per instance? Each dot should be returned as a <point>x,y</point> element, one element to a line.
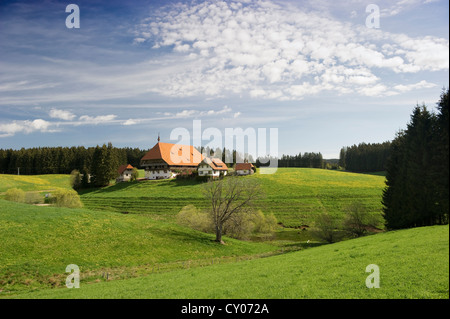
<point>293,195</point>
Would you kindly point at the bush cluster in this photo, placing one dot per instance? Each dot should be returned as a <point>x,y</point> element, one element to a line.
<point>358,221</point>
<point>241,226</point>
<point>65,198</point>
<point>19,196</point>
<point>15,195</point>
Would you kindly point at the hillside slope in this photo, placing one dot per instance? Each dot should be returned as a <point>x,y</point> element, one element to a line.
<point>37,243</point>
<point>293,195</point>
<point>34,182</point>
<point>413,263</point>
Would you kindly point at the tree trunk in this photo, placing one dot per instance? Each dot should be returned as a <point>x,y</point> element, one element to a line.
<point>219,234</point>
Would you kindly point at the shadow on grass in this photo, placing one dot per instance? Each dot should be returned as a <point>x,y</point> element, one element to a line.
<point>378,173</point>
<point>178,182</point>
<point>111,188</point>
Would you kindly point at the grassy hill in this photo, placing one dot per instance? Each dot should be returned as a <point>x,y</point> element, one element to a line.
<point>145,254</point>
<point>294,195</point>
<point>33,182</point>
<point>37,243</point>
<point>413,263</point>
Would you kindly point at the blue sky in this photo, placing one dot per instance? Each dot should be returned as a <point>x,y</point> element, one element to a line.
<point>311,69</point>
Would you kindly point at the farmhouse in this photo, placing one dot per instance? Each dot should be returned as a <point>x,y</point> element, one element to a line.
<point>212,167</point>
<point>244,168</point>
<point>125,172</point>
<point>166,160</point>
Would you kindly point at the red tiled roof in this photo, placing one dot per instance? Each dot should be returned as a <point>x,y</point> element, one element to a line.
<point>174,154</point>
<point>215,163</point>
<point>122,168</point>
<point>243,166</point>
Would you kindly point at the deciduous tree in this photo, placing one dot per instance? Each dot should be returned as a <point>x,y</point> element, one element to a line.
<point>229,197</point>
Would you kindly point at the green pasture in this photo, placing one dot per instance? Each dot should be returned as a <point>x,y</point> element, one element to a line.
<point>34,182</point>
<point>37,243</point>
<point>293,195</point>
<point>412,264</point>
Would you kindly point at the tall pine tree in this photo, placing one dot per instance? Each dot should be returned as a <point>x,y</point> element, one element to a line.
<point>441,158</point>
<point>416,192</point>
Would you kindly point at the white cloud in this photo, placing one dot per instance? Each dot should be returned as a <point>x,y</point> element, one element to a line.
<point>86,119</point>
<point>224,110</point>
<point>268,50</point>
<point>25,85</point>
<point>420,85</point>
<point>61,114</point>
<point>193,113</point>
<point>27,127</point>
<point>186,113</point>
<point>139,40</point>
<point>130,122</point>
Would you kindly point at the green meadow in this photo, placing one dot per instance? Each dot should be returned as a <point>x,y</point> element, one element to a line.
<point>412,264</point>
<point>293,195</point>
<point>37,243</point>
<point>33,182</point>
<point>127,244</point>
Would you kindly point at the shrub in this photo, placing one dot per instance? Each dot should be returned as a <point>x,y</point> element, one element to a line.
<point>185,174</point>
<point>134,175</point>
<point>33,198</point>
<point>265,225</point>
<point>202,179</point>
<point>242,226</point>
<point>358,221</point>
<point>15,195</point>
<point>75,179</point>
<point>191,217</point>
<point>66,198</point>
<point>326,228</point>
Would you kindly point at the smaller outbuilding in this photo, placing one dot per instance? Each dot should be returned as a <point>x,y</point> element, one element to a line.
<point>125,173</point>
<point>244,169</point>
<point>213,167</point>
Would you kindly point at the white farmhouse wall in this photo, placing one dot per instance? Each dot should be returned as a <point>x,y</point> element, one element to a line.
<point>125,176</point>
<point>159,174</point>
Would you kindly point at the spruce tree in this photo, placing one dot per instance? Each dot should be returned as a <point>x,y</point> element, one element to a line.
<point>441,158</point>
<point>413,196</point>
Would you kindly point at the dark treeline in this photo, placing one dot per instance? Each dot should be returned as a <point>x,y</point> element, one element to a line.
<point>365,157</point>
<point>231,157</point>
<point>63,160</point>
<point>312,160</point>
<point>417,176</point>
<point>60,160</point>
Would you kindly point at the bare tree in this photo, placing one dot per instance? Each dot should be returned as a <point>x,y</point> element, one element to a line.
<point>230,197</point>
<point>358,220</point>
<point>326,228</point>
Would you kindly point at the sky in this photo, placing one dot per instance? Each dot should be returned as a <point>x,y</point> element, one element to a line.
<point>324,74</point>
